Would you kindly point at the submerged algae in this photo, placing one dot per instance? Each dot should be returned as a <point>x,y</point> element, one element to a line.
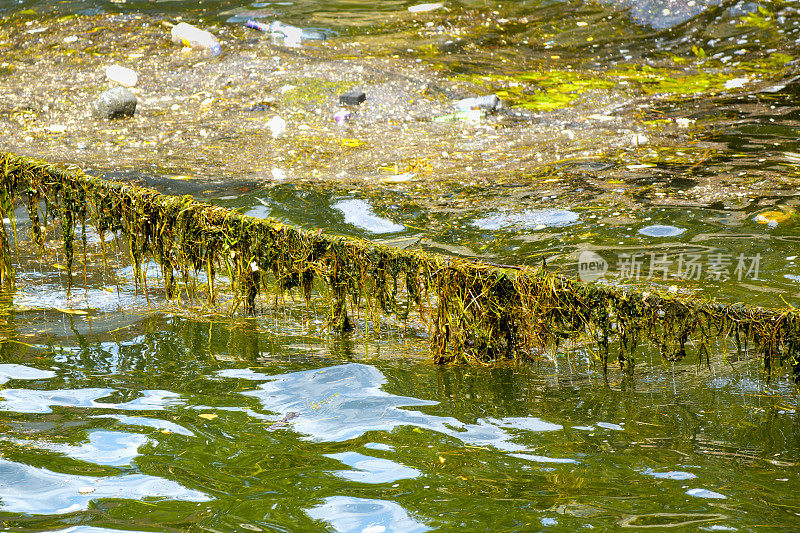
<point>543,90</point>
<point>549,88</point>
<point>475,312</point>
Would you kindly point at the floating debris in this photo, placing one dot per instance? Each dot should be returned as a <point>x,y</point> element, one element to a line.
<point>342,117</point>
<point>424,8</point>
<point>352,98</point>
<point>283,422</point>
<point>488,103</point>
<point>290,35</point>
<point>122,76</point>
<point>197,39</point>
<point>277,126</point>
<point>676,475</point>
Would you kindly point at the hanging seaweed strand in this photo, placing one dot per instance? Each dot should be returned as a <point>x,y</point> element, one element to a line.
<point>474,312</point>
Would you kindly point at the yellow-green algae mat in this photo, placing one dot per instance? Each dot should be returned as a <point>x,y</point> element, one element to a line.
<point>474,312</point>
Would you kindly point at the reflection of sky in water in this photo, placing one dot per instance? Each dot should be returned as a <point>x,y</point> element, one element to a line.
<point>52,296</point>
<point>92,529</point>
<point>108,347</point>
<point>112,448</point>
<point>705,493</point>
<point>359,213</point>
<point>379,446</point>
<point>10,371</point>
<point>368,469</point>
<point>677,475</point>
<point>343,402</point>
<point>609,425</point>
<point>737,384</point>
<point>662,14</point>
<point>110,350</point>
<point>659,230</point>
<point>92,236</point>
<point>526,423</point>
<point>259,211</point>
<point>541,458</point>
<point>530,219</point>
<point>155,423</point>
<point>40,294</point>
<point>41,401</point>
<point>32,490</point>
<point>155,276</point>
<point>345,515</point>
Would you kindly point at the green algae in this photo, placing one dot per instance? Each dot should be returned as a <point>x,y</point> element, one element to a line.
<point>710,76</point>
<point>552,88</point>
<point>543,90</point>
<point>762,18</point>
<point>690,156</point>
<point>310,90</point>
<point>659,80</point>
<point>474,312</point>
<point>556,89</point>
<point>776,63</point>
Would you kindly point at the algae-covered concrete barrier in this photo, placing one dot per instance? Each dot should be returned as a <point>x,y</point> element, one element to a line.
<point>473,312</point>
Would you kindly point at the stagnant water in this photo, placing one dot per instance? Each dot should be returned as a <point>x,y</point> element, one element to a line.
<point>118,413</point>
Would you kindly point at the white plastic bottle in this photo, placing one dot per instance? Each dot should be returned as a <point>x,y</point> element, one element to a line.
<point>488,103</point>
<point>198,39</point>
<point>286,31</point>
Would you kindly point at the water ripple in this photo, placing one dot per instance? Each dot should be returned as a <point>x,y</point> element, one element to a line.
<point>111,448</point>
<point>361,515</point>
<point>9,371</point>
<point>32,490</point>
<point>372,469</point>
<point>343,402</point>
<point>41,401</point>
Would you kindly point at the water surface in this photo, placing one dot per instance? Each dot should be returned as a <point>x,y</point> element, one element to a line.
<point>660,136</point>
<point>198,425</point>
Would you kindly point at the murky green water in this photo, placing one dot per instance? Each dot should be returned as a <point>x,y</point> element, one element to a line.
<point>659,137</point>
<point>727,254</point>
<point>173,424</point>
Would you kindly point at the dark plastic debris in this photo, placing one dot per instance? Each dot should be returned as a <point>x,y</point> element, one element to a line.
<point>352,98</point>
